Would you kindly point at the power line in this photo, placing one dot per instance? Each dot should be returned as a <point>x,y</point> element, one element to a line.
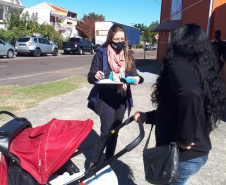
<point>157,2</point>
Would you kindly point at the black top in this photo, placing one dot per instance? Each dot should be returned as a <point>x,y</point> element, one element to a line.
<point>180,115</point>
<point>218,48</point>
<point>224,52</point>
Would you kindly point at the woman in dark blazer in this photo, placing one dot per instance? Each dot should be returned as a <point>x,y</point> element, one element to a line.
<point>113,60</point>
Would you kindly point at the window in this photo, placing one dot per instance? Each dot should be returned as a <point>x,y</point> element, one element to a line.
<point>24,39</point>
<point>47,42</point>
<point>73,15</point>
<point>35,39</point>
<point>1,42</point>
<point>41,41</point>
<point>75,40</point>
<point>1,14</point>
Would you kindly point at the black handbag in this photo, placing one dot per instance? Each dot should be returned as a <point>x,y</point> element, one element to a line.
<point>161,164</point>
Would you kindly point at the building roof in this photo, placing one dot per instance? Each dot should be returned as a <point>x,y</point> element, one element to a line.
<point>13,3</point>
<point>167,26</point>
<point>58,8</point>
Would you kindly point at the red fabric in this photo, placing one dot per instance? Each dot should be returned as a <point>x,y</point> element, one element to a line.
<point>44,149</point>
<point>3,171</point>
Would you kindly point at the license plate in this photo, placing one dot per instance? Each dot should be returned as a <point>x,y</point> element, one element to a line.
<point>68,49</point>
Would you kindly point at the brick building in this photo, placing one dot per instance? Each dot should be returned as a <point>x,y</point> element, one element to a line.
<point>209,14</point>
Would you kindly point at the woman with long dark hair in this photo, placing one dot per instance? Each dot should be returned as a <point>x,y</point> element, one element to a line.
<point>189,97</point>
<point>112,60</point>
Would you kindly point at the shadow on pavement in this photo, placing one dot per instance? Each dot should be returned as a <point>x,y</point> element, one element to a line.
<point>148,65</point>
<point>90,139</point>
<point>124,176</point>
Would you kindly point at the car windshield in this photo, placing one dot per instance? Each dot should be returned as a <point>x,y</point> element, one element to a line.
<point>25,39</point>
<point>75,40</point>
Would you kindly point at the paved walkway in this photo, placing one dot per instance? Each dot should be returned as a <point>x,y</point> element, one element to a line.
<point>128,168</point>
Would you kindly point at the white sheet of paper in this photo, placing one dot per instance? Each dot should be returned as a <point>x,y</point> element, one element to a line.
<point>107,81</point>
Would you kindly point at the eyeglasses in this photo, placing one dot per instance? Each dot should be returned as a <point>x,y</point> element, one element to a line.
<point>118,39</point>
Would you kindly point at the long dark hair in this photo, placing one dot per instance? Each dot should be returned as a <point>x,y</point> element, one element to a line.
<point>112,31</point>
<point>190,42</point>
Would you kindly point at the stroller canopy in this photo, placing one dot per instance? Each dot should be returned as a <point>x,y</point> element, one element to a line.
<point>44,149</point>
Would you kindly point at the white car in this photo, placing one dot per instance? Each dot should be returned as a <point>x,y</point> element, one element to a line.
<point>6,49</point>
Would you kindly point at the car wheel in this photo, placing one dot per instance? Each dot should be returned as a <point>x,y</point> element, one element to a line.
<point>55,52</point>
<point>10,53</point>
<point>92,51</point>
<point>80,51</point>
<point>37,52</point>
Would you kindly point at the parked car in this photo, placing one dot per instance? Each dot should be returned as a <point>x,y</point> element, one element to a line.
<point>36,46</point>
<point>79,45</point>
<point>6,49</point>
<point>154,47</point>
<point>148,47</point>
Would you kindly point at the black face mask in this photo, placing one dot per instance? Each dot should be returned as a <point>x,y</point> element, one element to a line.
<point>118,46</point>
<point>217,36</point>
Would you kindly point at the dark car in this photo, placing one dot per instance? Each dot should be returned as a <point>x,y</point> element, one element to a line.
<point>148,47</point>
<point>77,45</point>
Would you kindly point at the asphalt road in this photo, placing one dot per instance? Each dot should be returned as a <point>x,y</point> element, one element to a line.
<point>29,70</point>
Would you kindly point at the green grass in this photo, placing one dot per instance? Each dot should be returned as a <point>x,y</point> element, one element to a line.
<point>24,98</point>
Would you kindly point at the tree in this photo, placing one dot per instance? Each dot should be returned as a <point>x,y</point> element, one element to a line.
<point>86,26</point>
<point>27,25</point>
<point>141,26</point>
<point>12,20</point>
<point>152,34</point>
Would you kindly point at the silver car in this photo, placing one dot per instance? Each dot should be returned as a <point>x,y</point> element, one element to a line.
<point>6,49</point>
<point>35,46</point>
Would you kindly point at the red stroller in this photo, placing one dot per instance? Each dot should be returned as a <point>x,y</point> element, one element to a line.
<point>32,156</point>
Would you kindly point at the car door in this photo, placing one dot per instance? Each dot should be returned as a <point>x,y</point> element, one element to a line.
<point>2,48</point>
<point>89,45</point>
<point>48,46</point>
<point>42,45</point>
<point>84,46</point>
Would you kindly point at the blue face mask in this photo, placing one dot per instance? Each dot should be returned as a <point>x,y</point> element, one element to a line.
<point>118,46</point>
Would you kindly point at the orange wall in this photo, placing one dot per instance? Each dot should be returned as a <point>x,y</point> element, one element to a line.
<point>163,36</point>
<point>162,45</point>
<point>218,19</point>
<point>165,10</point>
<point>194,11</point>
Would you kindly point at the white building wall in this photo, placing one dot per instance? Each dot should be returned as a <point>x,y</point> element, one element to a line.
<point>6,6</point>
<point>44,10</point>
<point>43,14</point>
<point>41,6</point>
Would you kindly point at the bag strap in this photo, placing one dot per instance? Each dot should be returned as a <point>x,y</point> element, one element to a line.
<point>146,145</point>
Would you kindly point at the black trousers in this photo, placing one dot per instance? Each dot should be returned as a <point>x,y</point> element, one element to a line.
<point>113,111</point>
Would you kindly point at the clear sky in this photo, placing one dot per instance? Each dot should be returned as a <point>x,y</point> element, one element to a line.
<point>127,12</point>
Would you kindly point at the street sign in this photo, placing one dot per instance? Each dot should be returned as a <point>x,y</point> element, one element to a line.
<point>157,36</point>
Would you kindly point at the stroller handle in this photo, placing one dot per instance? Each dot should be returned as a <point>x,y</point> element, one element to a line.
<point>10,130</point>
<point>137,141</point>
<point>9,113</point>
<point>90,172</point>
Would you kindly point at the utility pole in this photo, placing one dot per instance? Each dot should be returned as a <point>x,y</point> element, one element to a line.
<point>145,39</point>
